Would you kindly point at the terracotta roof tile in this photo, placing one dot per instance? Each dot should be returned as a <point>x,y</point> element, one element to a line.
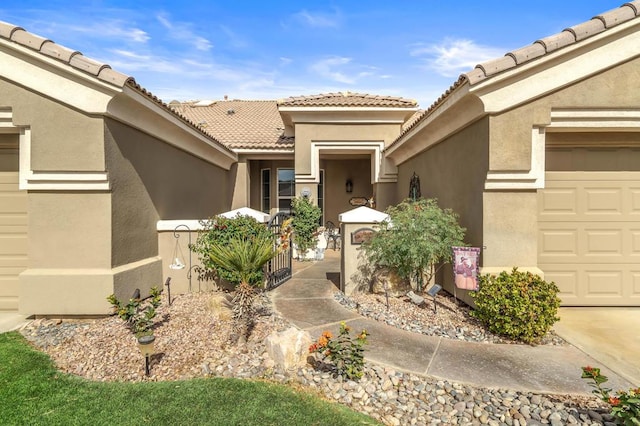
<point>565,38</point>
<point>77,60</point>
<point>239,124</point>
<point>347,99</point>
<point>539,48</point>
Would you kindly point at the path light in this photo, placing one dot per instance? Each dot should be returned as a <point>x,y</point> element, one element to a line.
<point>433,292</point>
<point>146,346</point>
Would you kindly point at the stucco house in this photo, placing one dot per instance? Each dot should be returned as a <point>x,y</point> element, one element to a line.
<point>538,152</point>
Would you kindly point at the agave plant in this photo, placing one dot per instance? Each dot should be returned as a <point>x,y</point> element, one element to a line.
<point>245,257</point>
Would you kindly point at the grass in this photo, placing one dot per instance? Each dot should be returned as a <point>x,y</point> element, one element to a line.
<point>33,392</point>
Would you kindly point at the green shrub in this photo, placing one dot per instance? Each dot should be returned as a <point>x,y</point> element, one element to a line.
<point>220,231</point>
<point>519,305</point>
<point>418,236</point>
<point>138,314</point>
<point>305,224</point>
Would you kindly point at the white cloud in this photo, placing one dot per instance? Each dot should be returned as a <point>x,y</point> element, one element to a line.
<point>452,57</point>
<point>327,68</point>
<point>183,32</point>
<point>318,19</point>
<point>285,61</point>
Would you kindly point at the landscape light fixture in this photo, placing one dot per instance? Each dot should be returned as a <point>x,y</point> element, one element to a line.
<point>146,346</point>
<point>433,292</point>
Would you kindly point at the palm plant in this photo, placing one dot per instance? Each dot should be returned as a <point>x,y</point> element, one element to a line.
<point>245,257</point>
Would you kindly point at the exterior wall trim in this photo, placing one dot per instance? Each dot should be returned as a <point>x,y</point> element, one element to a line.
<point>529,179</point>
<point>382,170</point>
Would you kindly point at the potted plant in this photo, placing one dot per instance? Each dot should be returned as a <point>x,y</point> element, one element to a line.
<point>306,216</point>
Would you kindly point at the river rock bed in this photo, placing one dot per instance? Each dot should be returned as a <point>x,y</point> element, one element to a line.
<point>451,319</point>
<point>193,340</point>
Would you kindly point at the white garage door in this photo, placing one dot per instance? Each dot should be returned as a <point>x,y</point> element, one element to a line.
<point>13,228</point>
<point>589,236</point>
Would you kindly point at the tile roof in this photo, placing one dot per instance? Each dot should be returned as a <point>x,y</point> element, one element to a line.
<point>347,99</point>
<point>539,48</point>
<point>239,124</point>
<point>77,60</point>
<point>544,46</point>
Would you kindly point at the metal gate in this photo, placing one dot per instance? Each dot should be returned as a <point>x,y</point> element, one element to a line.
<point>279,269</point>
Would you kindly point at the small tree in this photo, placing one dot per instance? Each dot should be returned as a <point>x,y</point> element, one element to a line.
<point>418,236</point>
<point>305,223</point>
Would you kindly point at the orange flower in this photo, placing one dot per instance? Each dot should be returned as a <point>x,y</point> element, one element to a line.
<point>614,401</point>
<point>322,341</point>
<point>327,334</point>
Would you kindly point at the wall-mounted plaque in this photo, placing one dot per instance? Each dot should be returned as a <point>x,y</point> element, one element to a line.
<point>361,235</point>
<point>359,201</point>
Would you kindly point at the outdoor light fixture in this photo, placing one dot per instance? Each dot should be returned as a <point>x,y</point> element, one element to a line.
<point>349,186</point>
<point>433,292</point>
<point>146,346</point>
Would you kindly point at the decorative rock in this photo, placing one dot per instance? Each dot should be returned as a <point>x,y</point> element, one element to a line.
<point>289,348</point>
<point>385,280</point>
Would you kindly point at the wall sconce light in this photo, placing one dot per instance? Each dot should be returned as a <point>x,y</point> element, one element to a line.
<point>146,346</point>
<point>349,186</point>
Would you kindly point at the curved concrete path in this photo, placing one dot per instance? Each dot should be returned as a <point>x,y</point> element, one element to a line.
<point>307,301</point>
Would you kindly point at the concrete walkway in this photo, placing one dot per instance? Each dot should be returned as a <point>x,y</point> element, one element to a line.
<point>307,301</point>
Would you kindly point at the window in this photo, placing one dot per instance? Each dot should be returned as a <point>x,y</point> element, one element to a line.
<point>286,189</point>
<point>320,197</point>
<point>266,191</point>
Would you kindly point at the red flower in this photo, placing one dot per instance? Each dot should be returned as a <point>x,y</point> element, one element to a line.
<point>614,401</point>
<point>313,348</point>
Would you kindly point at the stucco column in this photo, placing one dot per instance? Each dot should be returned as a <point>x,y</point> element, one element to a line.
<point>357,225</point>
<point>241,184</point>
<point>510,231</point>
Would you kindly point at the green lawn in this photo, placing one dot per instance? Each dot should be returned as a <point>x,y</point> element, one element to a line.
<point>33,392</point>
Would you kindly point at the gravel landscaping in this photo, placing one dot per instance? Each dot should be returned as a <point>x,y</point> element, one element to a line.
<point>193,340</point>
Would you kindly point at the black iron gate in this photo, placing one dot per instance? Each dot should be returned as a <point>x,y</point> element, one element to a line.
<point>279,269</point>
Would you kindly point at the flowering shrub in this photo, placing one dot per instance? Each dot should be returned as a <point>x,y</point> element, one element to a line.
<point>346,353</point>
<point>625,406</point>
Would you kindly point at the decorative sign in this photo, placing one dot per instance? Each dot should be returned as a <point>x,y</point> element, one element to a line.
<point>359,201</point>
<point>361,235</point>
<point>465,267</point>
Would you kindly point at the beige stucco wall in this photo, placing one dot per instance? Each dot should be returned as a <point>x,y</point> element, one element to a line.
<point>308,133</point>
<point>336,173</point>
<point>63,138</point>
<point>154,181</point>
<point>454,172</point>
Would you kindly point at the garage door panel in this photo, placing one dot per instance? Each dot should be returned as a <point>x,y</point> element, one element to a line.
<point>13,239</point>
<point>603,201</point>
<point>589,236</point>
<point>567,282</point>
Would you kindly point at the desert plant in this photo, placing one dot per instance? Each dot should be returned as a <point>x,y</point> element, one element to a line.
<point>220,231</point>
<point>625,406</point>
<point>345,352</point>
<point>417,237</point>
<point>138,314</point>
<point>305,223</point>
<point>245,257</point>
<point>519,305</point>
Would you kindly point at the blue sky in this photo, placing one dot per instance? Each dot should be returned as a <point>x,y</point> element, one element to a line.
<point>275,49</point>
